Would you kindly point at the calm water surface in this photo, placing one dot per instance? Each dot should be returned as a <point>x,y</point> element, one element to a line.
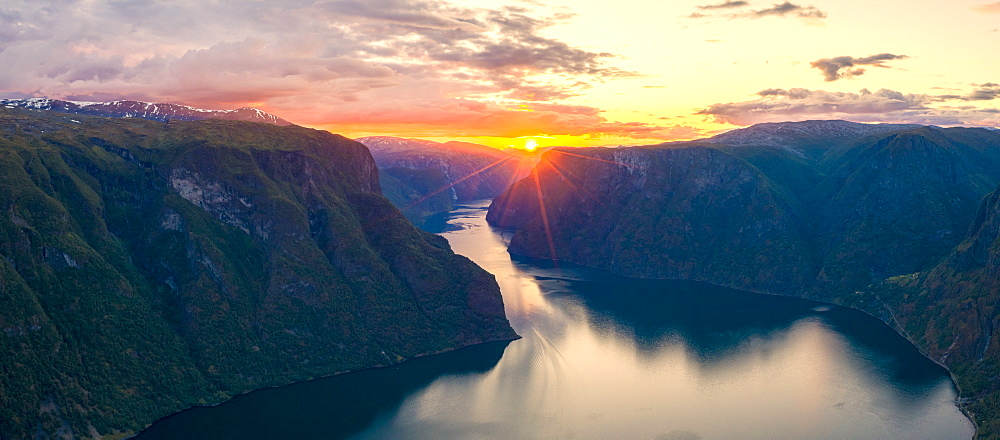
<point>611,357</point>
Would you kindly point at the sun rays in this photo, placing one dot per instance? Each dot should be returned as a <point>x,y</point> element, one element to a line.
<point>548,163</point>
<point>456,182</point>
<point>546,175</point>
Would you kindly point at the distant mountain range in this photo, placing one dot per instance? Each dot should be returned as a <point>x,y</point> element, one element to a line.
<point>901,221</point>
<point>143,110</point>
<point>424,177</point>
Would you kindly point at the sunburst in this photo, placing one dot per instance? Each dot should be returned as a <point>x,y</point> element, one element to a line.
<point>549,160</point>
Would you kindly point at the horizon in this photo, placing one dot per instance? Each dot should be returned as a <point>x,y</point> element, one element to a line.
<point>523,72</point>
<point>530,144</point>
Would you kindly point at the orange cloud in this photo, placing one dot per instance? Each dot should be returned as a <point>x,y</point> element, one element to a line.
<point>419,63</point>
<point>464,117</point>
<point>775,105</point>
<point>989,8</point>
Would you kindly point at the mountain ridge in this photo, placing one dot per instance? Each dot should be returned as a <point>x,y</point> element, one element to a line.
<point>870,182</point>
<point>143,110</point>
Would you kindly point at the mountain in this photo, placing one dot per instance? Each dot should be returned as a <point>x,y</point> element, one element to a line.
<point>815,133</point>
<point>863,210</point>
<point>796,154</point>
<point>899,204</point>
<point>950,311</point>
<point>144,110</point>
<point>689,213</point>
<point>152,266</point>
<point>903,222</point>
<point>424,177</point>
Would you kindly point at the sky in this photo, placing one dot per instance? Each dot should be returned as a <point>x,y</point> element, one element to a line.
<point>522,72</point>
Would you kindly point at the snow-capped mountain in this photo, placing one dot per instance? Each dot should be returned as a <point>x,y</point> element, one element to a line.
<point>144,110</point>
<point>785,133</point>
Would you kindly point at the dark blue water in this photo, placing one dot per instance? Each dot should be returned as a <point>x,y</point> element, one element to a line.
<point>604,356</point>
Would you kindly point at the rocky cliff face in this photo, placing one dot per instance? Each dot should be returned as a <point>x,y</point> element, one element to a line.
<point>151,266</point>
<point>758,217</point>
<point>966,286</point>
<point>690,213</point>
<point>950,311</point>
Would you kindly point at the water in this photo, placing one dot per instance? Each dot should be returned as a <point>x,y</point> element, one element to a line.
<point>610,357</point>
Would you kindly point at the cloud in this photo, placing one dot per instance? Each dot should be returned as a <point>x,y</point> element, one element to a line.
<point>985,92</point>
<point>774,105</point>
<point>989,8</point>
<point>982,92</point>
<point>725,5</point>
<point>786,9</point>
<point>427,113</point>
<point>302,58</point>
<point>846,66</point>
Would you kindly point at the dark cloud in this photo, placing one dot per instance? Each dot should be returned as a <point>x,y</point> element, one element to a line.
<point>786,9</point>
<point>402,13</point>
<point>773,105</point>
<point>847,67</point>
<point>985,92</point>
<point>982,92</point>
<point>725,5</point>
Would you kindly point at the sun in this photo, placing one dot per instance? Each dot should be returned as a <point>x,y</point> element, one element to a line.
<point>531,144</point>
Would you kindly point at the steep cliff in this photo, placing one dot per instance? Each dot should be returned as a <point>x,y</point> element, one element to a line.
<point>758,217</point>
<point>690,213</point>
<point>951,311</point>
<point>898,204</point>
<point>151,266</point>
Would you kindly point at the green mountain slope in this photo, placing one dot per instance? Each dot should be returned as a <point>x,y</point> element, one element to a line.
<point>689,213</point>
<point>151,266</point>
<point>950,310</point>
<point>758,217</point>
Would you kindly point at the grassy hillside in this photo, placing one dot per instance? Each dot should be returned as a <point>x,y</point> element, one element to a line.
<point>950,310</point>
<point>151,266</point>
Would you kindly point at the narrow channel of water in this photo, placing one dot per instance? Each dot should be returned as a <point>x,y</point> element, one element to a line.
<point>604,356</point>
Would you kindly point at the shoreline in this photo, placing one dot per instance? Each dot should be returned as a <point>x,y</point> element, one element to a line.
<point>318,378</point>
<point>959,398</point>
